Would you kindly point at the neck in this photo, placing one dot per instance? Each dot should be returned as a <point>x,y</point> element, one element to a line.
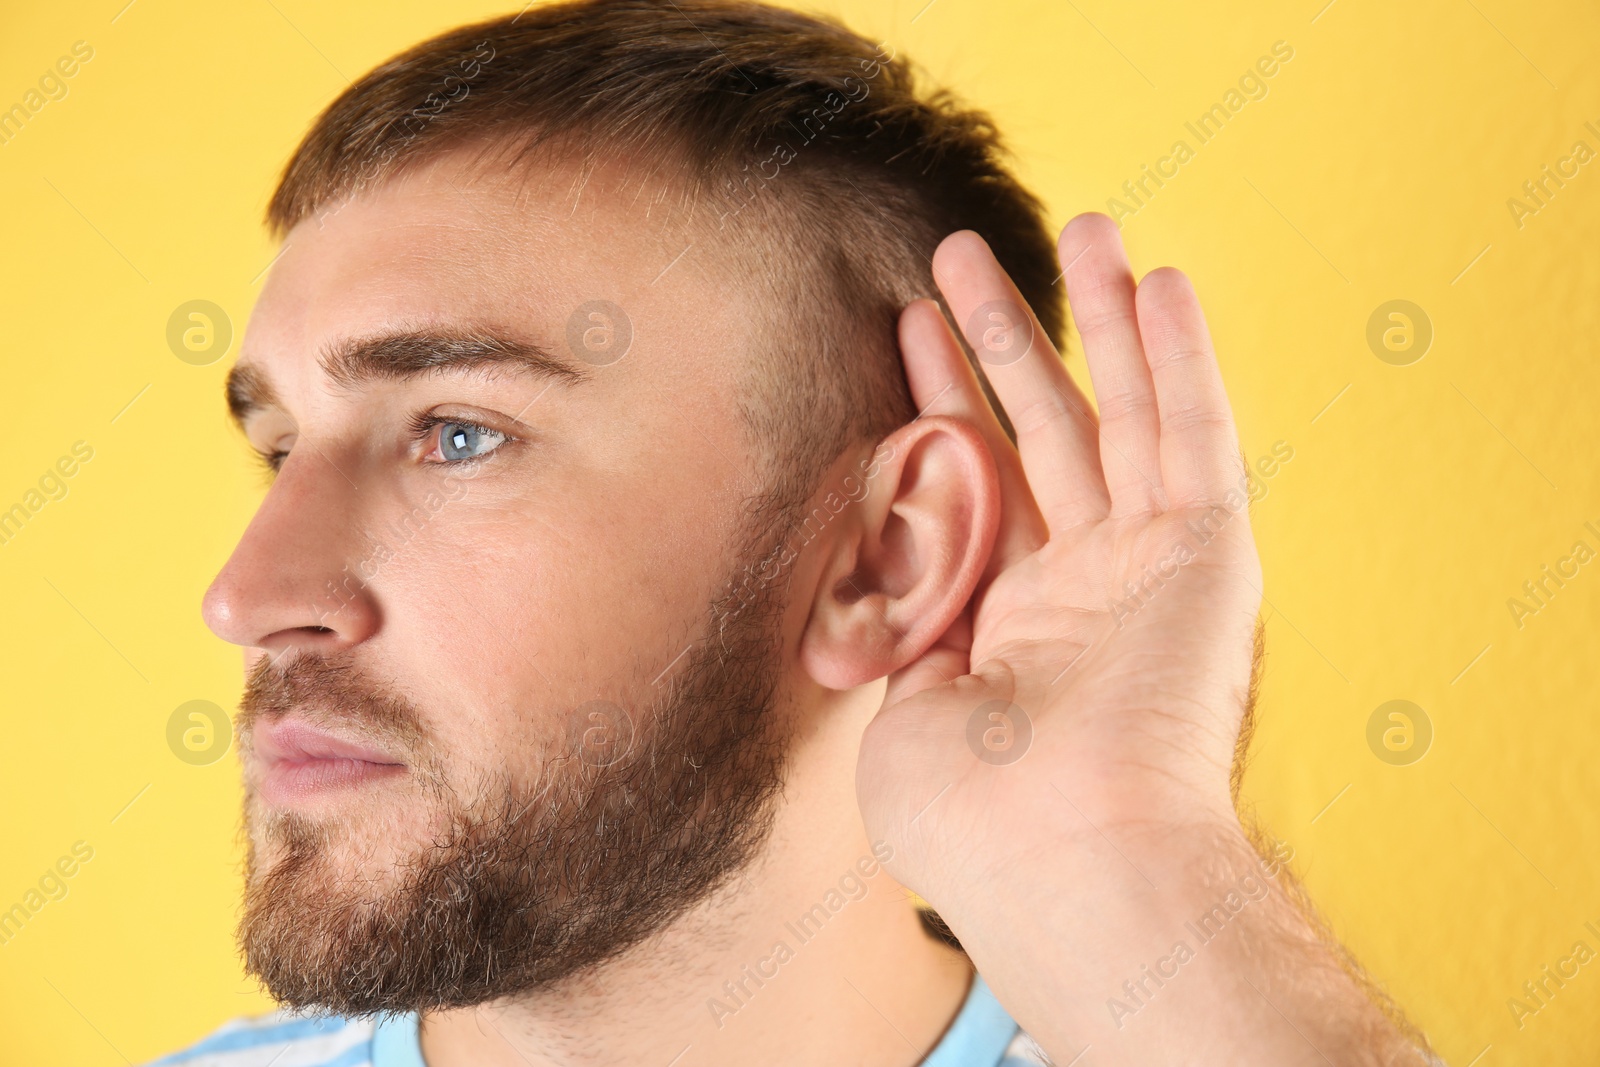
<point>813,932</point>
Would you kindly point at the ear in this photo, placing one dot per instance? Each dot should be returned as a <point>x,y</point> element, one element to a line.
<point>906,568</point>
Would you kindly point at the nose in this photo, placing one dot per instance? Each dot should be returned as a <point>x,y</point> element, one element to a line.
<point>295,579</point>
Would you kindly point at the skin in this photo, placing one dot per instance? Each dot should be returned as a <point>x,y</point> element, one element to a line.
<point>581,557</point>
<point>1065,871</point>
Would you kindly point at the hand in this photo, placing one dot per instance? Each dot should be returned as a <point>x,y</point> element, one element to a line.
<point>1115,621</point>
<point>1107,652</point>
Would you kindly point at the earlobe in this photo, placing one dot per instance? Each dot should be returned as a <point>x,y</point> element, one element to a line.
<point>907,565</point>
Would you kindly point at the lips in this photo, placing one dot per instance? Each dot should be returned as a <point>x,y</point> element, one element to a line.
<point>300,763</point>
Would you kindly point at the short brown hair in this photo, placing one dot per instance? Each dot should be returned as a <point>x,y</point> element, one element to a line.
<point>871,173</point>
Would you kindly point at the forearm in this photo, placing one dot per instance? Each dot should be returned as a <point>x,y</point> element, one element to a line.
<point>1170,946</point>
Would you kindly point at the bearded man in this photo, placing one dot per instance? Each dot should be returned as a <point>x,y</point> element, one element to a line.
<point>685,540</point>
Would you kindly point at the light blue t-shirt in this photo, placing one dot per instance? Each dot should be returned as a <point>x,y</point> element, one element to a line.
<point>982,1035</point>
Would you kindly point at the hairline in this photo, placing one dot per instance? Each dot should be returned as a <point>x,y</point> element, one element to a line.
<point>773,223</point>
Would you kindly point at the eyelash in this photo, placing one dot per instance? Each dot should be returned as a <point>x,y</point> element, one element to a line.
<point>419,425</point>
<point>422,423</point>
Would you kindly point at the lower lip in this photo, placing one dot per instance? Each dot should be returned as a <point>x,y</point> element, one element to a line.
<point>294,781</point>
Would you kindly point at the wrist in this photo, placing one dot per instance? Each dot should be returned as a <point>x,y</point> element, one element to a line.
<point>1193,927</point>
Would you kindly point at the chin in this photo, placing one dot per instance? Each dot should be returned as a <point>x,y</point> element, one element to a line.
<point>362,840</point>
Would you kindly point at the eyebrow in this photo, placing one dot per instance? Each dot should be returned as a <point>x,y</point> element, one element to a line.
<point>400,355</point>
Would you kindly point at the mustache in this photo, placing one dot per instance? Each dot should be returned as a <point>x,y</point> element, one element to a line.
<point>330,692</point>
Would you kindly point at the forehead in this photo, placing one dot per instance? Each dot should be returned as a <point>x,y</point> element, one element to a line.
<point>452,242</point>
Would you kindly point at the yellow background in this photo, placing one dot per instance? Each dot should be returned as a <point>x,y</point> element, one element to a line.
<point>1378,167</point>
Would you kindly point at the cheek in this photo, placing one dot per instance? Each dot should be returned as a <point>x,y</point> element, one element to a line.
<point>467,634</point>
<point>501,625</point>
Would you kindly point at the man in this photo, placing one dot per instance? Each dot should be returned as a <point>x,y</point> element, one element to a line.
<point>649,588</point>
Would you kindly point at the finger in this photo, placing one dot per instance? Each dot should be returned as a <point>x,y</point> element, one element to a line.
<point>1199,444</point>
<point>1056,428</point>
<point>949,658</point>
<point>943,383</point>
<point>1100,290</point>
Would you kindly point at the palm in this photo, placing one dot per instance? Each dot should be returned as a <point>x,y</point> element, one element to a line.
<point>1105,656</point>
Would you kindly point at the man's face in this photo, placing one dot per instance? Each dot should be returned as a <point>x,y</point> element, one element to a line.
<point>487,699</point>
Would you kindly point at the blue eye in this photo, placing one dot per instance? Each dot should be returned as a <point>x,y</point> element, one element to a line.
<point>464,440</point>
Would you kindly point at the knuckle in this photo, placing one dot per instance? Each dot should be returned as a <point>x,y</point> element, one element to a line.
<point>1100,311</point>
<point>1039,413</point>
<point>1116,407</point>
<point>1179,356</point>
<point>1190,417</point>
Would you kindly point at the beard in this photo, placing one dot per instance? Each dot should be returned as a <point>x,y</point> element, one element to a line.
<point>632,818</point>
